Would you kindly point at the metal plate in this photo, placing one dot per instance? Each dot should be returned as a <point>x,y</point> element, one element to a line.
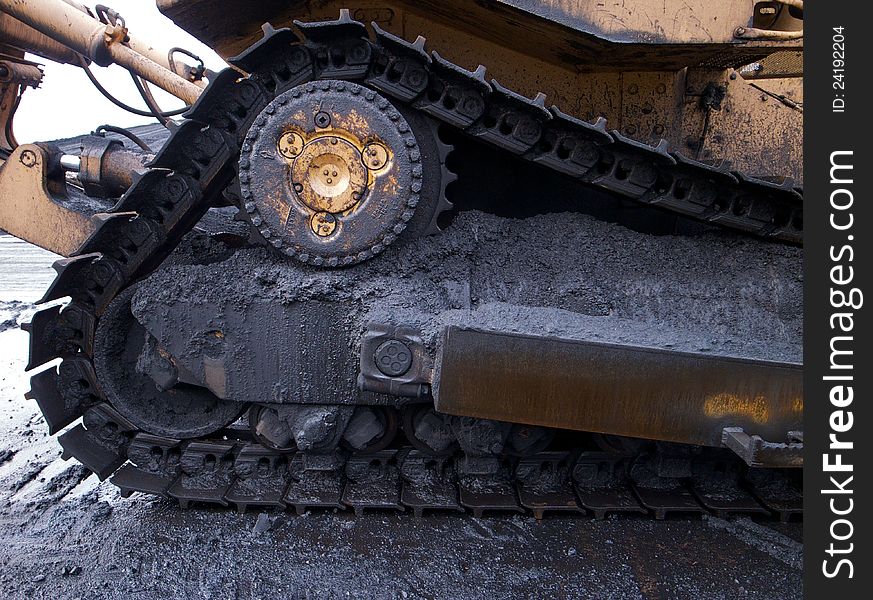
<point>623,390</point>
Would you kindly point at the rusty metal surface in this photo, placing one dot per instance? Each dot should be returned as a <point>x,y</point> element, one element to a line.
<point>333,174</point>
<point>643,21</point>
<point>18,35</point>
<point>749,126</point>
<point>27,209</point>
<point>199,152</point>
<point>682,31</point>
<point>639,85</point>
<point>757,452</point>
<point>100,42</point>
<point>107,168</point>
<point>624,390</point>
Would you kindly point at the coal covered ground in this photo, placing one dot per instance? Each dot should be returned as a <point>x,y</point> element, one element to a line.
<point>63,534</point>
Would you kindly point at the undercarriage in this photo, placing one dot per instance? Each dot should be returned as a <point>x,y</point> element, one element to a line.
<point>313,296</point>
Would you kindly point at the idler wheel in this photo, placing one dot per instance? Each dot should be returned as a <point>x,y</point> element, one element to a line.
<point>331,173</point>
<point>142,383</point>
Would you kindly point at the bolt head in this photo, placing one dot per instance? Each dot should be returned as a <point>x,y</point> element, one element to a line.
<point>323,224</point>
<point>377,156</point>
<point>290,145</point>
<point>393,358</point>
<point>28,158</point>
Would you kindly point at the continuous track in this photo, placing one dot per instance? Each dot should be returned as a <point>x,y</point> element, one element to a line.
<point>199,161</point>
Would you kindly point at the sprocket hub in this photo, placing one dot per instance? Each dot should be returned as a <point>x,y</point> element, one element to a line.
<point>331,173</point>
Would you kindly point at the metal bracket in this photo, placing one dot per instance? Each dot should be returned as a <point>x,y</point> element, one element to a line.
<point>759,453</point>
<point>28,210</point>
<point>408,375</point>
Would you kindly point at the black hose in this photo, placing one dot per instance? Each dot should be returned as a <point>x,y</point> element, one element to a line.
<point>126,133</point>
<point>197,72</point>
<point>149,99</point>
<point>119,103</point>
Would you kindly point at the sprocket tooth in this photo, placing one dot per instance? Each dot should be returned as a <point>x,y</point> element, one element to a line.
<point>100,442</point>
<point>199,151</point>
<point>55,333</point>
<point>448,176</point>
<point>443,149</point>
<point>341,49</point>
<point>443,204</point>
<point>90,279</point>
<point>64,394</point>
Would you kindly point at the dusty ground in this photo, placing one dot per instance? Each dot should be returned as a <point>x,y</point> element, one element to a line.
<point>64,535</point>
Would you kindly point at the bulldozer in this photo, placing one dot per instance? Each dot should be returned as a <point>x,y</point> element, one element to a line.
<point>503,256</point>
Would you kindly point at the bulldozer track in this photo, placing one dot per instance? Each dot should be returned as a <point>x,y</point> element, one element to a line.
<point>199,161</point>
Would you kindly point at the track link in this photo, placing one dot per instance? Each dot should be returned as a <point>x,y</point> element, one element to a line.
<point>199,161</point>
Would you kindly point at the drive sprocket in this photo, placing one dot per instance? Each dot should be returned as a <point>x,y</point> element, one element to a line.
<point>331,173</point>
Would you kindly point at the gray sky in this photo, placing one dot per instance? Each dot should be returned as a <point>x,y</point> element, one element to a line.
<point>66,103</point>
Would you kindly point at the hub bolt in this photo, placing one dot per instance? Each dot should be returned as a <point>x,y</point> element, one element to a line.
<point>290,145</point>
<point>323,224</point>
<point>375,156</point>
<point>393,358</point>
<point>322,119</point>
